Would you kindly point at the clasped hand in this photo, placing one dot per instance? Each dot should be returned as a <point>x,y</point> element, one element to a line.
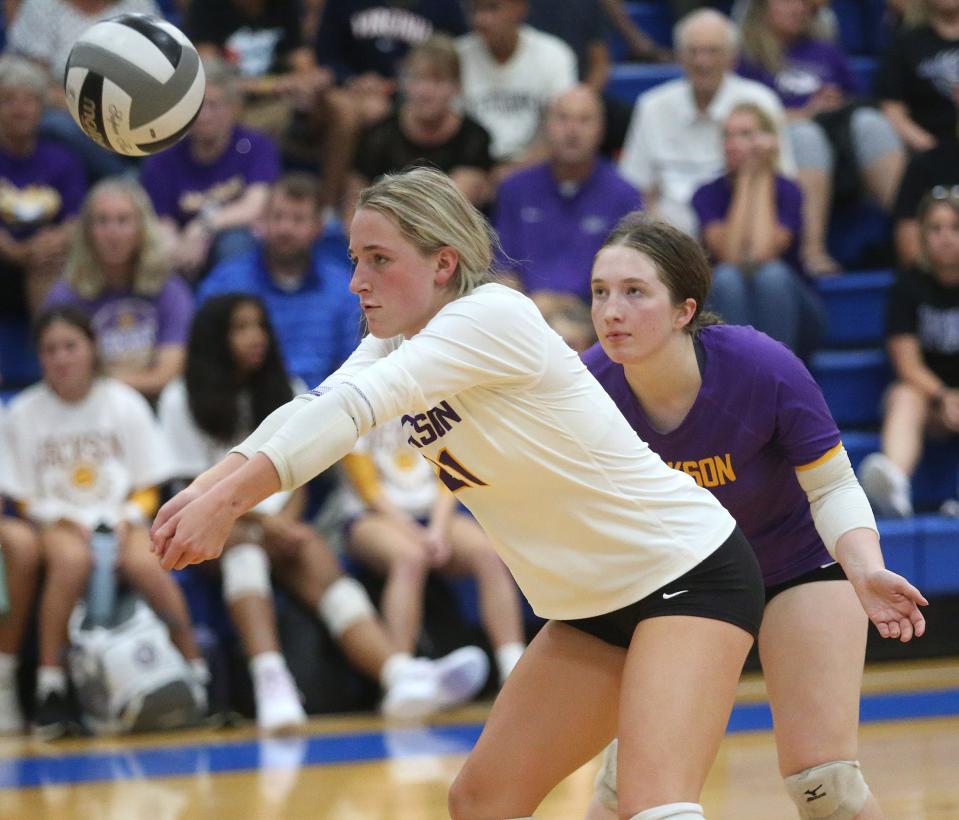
<point>191,528</point>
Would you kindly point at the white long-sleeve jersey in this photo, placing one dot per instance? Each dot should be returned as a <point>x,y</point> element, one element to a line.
<point>585,515</point>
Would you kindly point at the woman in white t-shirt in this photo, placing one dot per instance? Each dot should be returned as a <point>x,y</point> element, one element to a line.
<point>234,378</point>
<point>20,564</point>
<point>654,596</point>
<point>401,523</point>
<point>87,451</point>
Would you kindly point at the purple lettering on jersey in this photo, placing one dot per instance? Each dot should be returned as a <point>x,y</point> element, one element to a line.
<point>431,425</point>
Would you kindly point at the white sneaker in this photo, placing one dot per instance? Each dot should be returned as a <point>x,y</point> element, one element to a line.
<point>413,693</point>
<point>11,718</point>
<point>278,707</point>
<point>461,674</point>
<point>886,486</point>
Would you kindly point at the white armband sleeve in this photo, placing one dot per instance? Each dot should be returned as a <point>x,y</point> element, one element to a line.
<point>273,422</point>
<point>317,436</point>
<point>836,501</point>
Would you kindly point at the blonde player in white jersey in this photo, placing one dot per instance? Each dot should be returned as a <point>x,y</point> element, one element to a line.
<point>653,595</point>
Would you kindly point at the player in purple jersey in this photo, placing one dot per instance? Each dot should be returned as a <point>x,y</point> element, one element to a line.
<point>742,415</point>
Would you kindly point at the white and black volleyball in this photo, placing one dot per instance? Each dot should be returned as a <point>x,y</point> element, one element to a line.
<point>134,84</point>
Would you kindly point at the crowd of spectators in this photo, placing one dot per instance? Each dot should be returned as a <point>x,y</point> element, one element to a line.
<point>763,132</point>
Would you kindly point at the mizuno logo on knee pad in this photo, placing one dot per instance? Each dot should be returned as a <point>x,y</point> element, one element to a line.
<point>832,791</point>
<point>814,794</point>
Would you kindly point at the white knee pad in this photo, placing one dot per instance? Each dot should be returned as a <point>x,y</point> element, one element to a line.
<point>832,791</point>
<point>605,784</point>
<point>672,811</point>
<point>246,571</point>
<point>344,604</point>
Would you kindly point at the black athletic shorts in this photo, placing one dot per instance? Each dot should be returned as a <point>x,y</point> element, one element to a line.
<point>727,585</point>
<point>831,572</point>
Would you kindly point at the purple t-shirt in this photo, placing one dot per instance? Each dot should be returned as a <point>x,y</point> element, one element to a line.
<point>42,189</point>
<point>758,416</point>
<point>180,186</point>
<point>129,327</point>
<point>551,235</point>
<point>808,65</point>
<point>713,200</point>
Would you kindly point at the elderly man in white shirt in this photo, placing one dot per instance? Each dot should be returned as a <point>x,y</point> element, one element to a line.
<point>674,141</point>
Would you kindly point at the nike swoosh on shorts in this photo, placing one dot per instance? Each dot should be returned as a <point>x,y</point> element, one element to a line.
<point>668,595</point>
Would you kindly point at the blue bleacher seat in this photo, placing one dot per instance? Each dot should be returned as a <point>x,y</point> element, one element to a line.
<point>654,19</point>
<point>935,479</point>
<point>18,362</point>
<point>852,19</point>
<point>859,444</point>
<point>939,554</point>
<point>170,11</point>
<point>901,547</point>
<point>924,549</point>
<point>856,307</point>
<point>860,234</point>
<point>865,69</point>
<point>628,80</point>
<point>853,382</point>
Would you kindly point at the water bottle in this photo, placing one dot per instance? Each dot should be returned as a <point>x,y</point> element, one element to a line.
<point>4,592</point>
<point>102,587</point>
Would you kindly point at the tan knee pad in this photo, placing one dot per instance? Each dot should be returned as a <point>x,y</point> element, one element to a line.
<point>605,784</point>
<point>831,791</point>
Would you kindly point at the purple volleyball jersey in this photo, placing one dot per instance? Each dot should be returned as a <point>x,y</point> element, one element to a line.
<point>758,416</point>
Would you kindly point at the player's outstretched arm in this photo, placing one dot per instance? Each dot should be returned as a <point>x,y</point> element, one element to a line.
<point>196,488</point>
<point>197,532</point>
<point>289,448</point>
<point>890,601</point>
<point>233,461</point>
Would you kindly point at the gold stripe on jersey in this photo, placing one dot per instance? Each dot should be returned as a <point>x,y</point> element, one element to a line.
<point>832,451</point>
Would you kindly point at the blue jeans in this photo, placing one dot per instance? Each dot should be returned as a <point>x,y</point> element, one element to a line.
<point>772,298</point>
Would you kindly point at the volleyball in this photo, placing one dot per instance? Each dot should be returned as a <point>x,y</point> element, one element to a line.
<point>134,84</point>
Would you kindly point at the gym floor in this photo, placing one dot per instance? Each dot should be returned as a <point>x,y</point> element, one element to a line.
<point>356,767</point>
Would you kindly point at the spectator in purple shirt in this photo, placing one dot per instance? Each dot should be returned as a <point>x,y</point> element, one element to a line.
<point>553,217</point>
<point>41,187</point>
<point>210,188</point>
<point>842,147</point>
<point>118,272</point>
<point>751,221</point>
